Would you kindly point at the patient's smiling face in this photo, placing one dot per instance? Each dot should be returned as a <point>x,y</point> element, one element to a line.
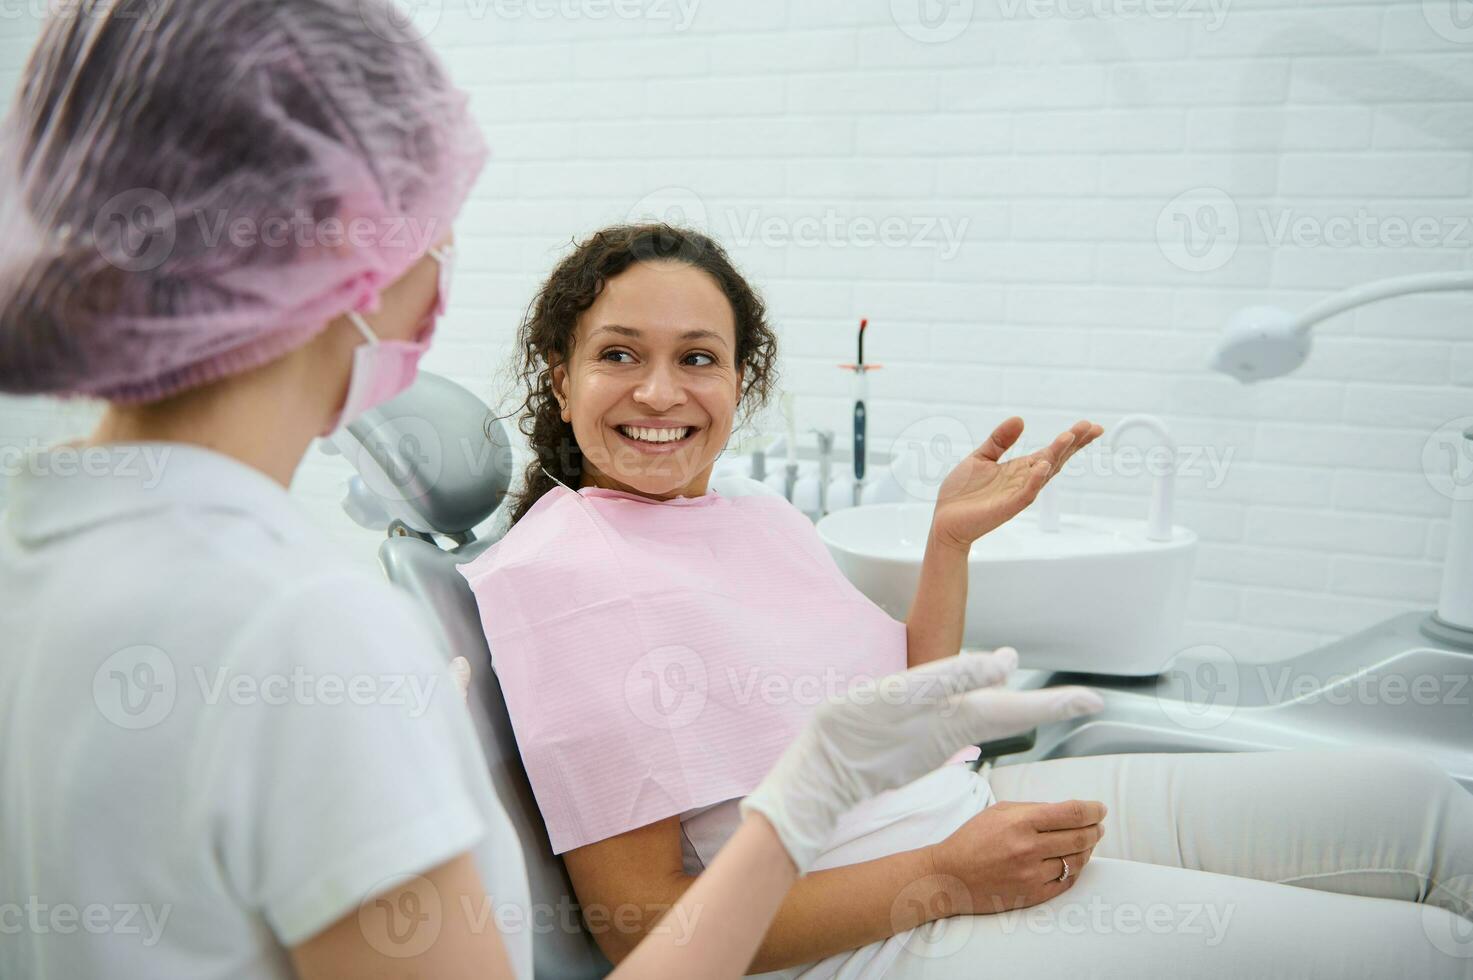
<point>652,384</point>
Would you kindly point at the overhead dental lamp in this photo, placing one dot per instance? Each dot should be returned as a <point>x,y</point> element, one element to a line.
<point>1263,342</point>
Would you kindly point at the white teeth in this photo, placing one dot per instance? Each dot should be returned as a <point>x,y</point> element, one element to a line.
<point>654,435</point>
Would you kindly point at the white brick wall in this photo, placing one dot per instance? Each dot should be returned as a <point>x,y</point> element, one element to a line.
<point>1045,141</point>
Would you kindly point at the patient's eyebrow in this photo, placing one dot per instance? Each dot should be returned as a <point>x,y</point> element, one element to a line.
<point>698,334</point>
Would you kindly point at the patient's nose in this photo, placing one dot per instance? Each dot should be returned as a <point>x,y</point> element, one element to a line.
<point>660,389</point>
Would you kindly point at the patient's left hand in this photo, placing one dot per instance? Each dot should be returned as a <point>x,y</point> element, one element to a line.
<point>981,493</point>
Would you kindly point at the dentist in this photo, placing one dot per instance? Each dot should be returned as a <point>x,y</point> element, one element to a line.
<point>224,752</point>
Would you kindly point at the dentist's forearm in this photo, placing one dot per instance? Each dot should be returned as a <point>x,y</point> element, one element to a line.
<point>938,614</point>
<point>750,912</point>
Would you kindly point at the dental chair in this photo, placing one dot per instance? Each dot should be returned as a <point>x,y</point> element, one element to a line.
<point>433,464</point>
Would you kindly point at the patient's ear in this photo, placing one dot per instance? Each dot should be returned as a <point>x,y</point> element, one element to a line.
<point>559,378</point>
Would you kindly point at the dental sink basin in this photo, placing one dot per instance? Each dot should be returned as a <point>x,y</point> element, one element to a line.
<point>1095,596</point>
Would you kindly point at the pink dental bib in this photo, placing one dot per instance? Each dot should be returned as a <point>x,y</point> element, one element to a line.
<point>658,656</point>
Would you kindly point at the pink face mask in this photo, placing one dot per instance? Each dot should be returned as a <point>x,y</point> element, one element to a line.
<point>383,369</point>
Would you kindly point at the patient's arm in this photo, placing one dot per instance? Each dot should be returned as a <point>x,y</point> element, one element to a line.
<point>981,493</point>
<point>933,628</point>
<point>626,882</point>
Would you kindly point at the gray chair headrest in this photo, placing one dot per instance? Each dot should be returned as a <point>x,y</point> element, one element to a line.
<point>434,458</point>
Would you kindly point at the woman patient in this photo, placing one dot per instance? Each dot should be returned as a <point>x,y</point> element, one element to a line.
<point>658,644</point>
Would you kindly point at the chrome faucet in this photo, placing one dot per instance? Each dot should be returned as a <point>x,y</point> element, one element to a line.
<point>825,464</point>
<point>1163,492</point>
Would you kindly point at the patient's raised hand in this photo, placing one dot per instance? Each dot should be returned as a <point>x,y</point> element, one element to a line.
<point>981,493</point>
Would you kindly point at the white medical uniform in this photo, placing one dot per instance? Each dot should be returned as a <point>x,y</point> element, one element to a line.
<point>216,738</point>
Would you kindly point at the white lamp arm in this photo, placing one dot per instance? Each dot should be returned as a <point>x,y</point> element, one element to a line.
<point>1427,282</point>
<point>1267,342</point>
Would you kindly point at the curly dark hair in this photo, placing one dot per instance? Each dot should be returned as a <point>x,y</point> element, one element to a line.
<point>547,330</point>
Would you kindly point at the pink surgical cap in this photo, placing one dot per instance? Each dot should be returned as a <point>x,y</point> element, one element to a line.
<point>192,188</point>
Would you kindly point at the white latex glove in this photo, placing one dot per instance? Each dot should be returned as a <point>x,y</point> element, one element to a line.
<point>885,733</point>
